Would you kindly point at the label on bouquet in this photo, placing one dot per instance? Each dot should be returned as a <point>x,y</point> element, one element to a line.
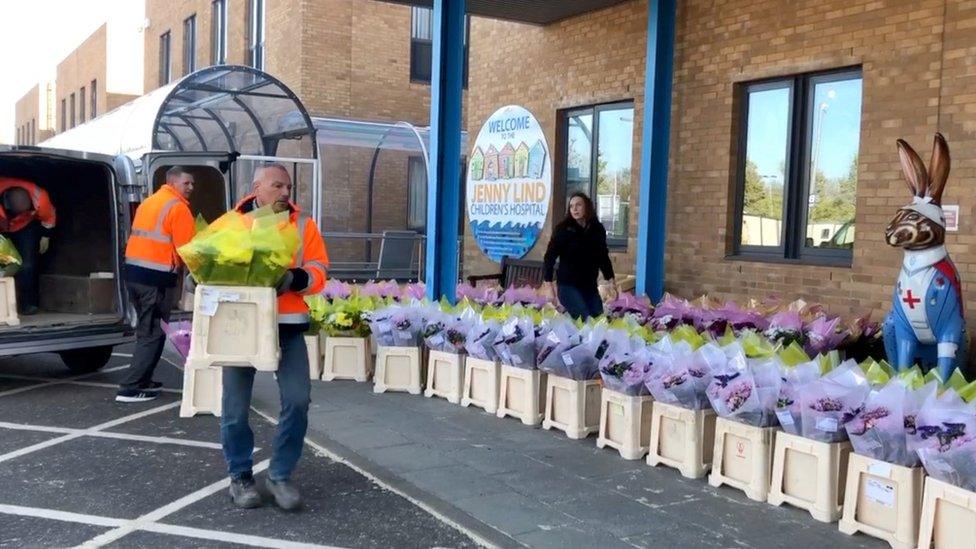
<point>785,417</point>
<point>827,424</point>
<point>880,492</point>
<point>567,359</point>
<point>880,468</point>
<point>436,340</point>
<point>516,360</point>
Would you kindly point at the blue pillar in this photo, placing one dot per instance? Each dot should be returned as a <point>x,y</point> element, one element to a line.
<point>655,141</point>
<point>444,174</point>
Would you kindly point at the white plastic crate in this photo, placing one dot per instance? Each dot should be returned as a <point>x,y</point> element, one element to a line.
<point>234,326</point>
<point>682,439</point>
<point>572,406</point>
<point>8,302</point>
<point>202,391</point>
<point>313,344</point>
<point>445,376</point>
<point>742,457</point>
<point>809,474</point>
<point>481,383</point>
<point>883,500</point>
<point>522,394</point>
<point>625,423</point>
<point>948,517</point>
<point>347,358</point>
<point>398,369</point>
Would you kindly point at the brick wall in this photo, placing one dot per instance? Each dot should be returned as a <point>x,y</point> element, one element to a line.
<point>85,63</point>
<point>918,78</point>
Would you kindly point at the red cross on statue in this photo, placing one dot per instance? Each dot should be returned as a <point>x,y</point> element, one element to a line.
<point>911,300</point>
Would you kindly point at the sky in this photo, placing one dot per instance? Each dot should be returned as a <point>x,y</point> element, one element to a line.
<point>35,35</point>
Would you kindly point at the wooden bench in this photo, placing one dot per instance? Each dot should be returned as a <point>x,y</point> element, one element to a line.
<point>514,272</point>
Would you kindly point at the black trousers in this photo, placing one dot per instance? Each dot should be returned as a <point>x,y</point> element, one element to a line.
<point>153,304</point>
<point>27,241</point>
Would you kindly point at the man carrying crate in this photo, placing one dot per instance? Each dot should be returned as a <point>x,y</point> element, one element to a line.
<point>273,187</point>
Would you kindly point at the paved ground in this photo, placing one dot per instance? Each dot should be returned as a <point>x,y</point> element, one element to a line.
<point>76,468</point>
<point>513,485</point>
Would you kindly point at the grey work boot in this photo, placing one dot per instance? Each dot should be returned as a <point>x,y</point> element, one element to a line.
<point>285,494</point>
<point>244,493</point>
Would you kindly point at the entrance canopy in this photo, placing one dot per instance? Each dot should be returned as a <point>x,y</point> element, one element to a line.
<point>225,108</point>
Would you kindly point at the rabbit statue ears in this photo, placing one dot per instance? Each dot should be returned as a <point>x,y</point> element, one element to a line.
<point>926,185</point>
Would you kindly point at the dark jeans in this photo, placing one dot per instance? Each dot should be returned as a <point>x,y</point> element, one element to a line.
<point>153,304</point>
<point>27,241</point>
<point>580,303</point>
<point>294,389</point>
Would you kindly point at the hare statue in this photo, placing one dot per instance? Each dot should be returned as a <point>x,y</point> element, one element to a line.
<point>926,321</point>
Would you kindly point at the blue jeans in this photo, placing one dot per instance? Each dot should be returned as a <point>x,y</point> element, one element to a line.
<point>295,390</point>
<point>580,303</point>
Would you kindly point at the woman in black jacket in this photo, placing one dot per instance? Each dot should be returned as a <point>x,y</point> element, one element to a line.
<point>579,242</point>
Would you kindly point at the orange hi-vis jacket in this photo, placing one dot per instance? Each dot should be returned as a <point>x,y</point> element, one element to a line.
<point>43,209</point>
<point>311,257</point>
<point>162,224</point>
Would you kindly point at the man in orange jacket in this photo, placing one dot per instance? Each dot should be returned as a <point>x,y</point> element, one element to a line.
<point>162,224</point>
<point>27,218</point>
<point>273,187</point>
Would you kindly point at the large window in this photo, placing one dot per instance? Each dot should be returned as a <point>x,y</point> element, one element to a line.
<point>422,45</point>
<point>164,68</point>
<point>189,44</point>
<point>93,90</point>
<point>256,34</point>
<point>218,32</point>
<point>33,132</point>
<point>796,181</point>
<point>416,194</point>
<point>597,160</point>
<point>64,115</point>
<point>81,106</point>
<point>71,103</point>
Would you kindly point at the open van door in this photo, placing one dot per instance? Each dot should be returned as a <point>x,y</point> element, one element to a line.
<point>213,191</point>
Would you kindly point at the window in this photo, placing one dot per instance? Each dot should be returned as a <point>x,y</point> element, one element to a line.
<point>189,44</point>
<point>422,45</point>
<point>796,180</point>
<point>597,160</point>
<point>93,89</point>
<point>164,69</point>
<point>64,115</point>
<point>416,194</point>
<point>256,34</point>
<point>81,106</point>
<point>218,32</point>
<point>72,119</point>
<point>33,132</point>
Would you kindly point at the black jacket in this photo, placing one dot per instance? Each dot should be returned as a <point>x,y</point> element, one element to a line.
<point>581,252</point>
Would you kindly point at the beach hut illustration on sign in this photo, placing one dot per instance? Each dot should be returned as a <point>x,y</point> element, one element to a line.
<point>477,164</point>
<point>491,164</point>
<point>522,160</point>
<point>537,159</point>
<point>506,164</point>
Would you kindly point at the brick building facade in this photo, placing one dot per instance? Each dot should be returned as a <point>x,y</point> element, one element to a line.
<point>916,75</point>
<point>34,117</point>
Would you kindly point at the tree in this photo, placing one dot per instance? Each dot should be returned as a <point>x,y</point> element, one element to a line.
<point>760,200</point>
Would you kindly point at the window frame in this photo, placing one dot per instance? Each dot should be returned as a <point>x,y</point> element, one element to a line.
<point>189,44</point>
<point>256,22</point>
<point>165,58</point>
<point>416,162</point>
<point>796,188</point>
<point>615,244</point>
<point>417,78</point>
<point>218,32</point>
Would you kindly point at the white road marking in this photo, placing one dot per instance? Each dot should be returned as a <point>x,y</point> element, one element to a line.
<point>164,511</point>
<point>49,381</point>
<point>62,516</point>
<point>111,435</point>
<point>126,355</point>
<point>242,539</point>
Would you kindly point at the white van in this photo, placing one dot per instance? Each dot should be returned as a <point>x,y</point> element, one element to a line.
<point>220,123</point>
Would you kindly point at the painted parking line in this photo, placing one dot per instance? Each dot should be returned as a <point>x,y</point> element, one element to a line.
<point>111,435</point>
<point>63,516</point>
<point>164,511</point>
<point>65,438</point>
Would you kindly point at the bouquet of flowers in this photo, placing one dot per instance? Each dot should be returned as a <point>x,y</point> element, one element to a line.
<point>554,337</point>
<point>444,332</point>
<point>414,292</point>
<point>346,317</point>
<point>252,249</point>
<point>335,289</point>
<point>396,326</point>
<point>525,296</point>
<point>823,335</point>
<point>624,371</point>
<point>744,389</point>
<point>670,313</point>
<point>515,343</point>
<point>178,334</point>
<point>879,430</point>
<point>946,439</point>
<point>793,379</point>
<point>827,404</point>
<point>10,260</point>
<point>786,327</point>
<point>383,291</point>
<point>481,337</point>
<point>681,375</point>
<point>628,305</point>
<point>482,295</point>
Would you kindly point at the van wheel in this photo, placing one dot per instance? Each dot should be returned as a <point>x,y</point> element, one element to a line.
<point>83,361</point>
